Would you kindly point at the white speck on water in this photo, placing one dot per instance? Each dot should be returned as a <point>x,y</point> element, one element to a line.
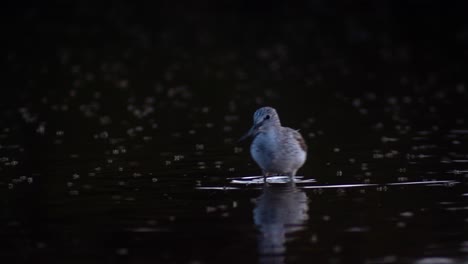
<point>10,186</point>
<point>407,214</point>
<point>337,249</point>
<point>16,181</point>
<point>178,157</point>
<point>210,209</point>
<point>339,173</point>
<point>41,245</point>
<point>154,179</point>
<point>377,156</point>
<point>388,139</point>
<point>435,260</point>
<point>30,180</point>
<point>104,134</point>
<point>238,150</point>
<point>392,100</point>
<point>401,224</point>
<point>136,174</point>
<point>464,247</point>
<point>122,251</point>
<point>199,147</point>
<point>336,149</point>
<point>314,238</point>
<point>402,179</point>
<point>75,176</point>
<point>356,102</point>
<point>364,166</point>
<point>383,260</point>
<point>460,88</point>
<point>41,129</point>
<point>460,161</point>
<point>326,218</point>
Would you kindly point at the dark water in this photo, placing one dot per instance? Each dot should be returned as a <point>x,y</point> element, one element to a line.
<point>118,130</point>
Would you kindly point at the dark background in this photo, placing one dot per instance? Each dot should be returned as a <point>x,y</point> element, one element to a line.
<point>225,49</point>
<point>112,114</point>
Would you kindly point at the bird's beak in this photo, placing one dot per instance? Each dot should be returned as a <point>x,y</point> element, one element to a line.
<point>252,131</point>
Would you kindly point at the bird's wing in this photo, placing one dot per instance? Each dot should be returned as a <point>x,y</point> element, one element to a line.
<point>298,137</point>
<point>301,140</point>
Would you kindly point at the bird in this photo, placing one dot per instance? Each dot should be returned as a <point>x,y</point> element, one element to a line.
<point>276,149</point>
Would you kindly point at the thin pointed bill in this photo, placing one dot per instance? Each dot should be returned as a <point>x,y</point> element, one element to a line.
<point>252,131</point>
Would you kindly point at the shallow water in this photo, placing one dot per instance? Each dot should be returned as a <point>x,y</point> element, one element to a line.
<point>118,140</point>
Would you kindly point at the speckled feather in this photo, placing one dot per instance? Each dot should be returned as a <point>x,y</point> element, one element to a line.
<point>276,149</point>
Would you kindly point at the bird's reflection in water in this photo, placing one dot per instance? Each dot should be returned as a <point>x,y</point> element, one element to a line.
<point>280,210</point>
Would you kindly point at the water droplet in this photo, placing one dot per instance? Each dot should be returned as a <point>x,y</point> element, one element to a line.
<point>199,147</point>
<point>178,157</point>
<point>122,251</point>
<point>104,135</point>
<point>238,150</point>
<point>314,238</point>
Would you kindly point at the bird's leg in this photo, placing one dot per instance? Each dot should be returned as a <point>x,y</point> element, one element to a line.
<point>265,175</point>
<point>291,176</point>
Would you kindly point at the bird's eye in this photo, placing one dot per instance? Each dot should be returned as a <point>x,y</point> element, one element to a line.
<point>267,117</point>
